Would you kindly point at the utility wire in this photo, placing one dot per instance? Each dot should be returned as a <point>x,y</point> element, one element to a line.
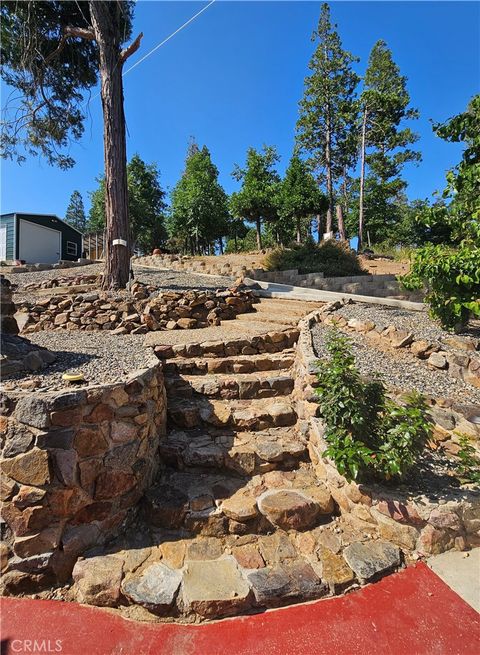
<point>169,37</point>
<point>159,45</point>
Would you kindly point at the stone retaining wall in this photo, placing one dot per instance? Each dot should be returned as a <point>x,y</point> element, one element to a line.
<point>416,522</point>
<point>384,286</point>
<point>137,313</point>
<point>73,464</point>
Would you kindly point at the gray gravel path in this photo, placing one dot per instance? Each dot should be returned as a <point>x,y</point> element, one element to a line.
<point>176,280</point>
<point>420,323</point>
<point>402,371</point>
<point>101,357</point>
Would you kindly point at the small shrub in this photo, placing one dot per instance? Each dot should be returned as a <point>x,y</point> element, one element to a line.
<point>468,467</point>
<point>332,258</point>
<point>368,435</point>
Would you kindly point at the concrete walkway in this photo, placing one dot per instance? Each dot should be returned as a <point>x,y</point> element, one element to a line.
<point>410,613</point>
<point>461,572</point>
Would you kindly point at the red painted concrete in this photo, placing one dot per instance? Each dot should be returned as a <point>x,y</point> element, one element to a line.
<point>410,613</point>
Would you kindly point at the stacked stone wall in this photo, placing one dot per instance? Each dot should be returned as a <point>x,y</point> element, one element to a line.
<point>74,466</point>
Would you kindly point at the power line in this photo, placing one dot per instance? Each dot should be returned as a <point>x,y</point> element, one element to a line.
<point>169,37</point>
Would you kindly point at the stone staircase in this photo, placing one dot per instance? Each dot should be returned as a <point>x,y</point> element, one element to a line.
<point>237,520</point>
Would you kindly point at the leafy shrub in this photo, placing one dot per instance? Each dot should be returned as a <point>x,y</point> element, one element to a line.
<point>452,279</point>
<point>332,258</point>
<point>368,435</point>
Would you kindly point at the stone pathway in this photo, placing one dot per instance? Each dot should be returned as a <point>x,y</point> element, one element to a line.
<point>237,519</point>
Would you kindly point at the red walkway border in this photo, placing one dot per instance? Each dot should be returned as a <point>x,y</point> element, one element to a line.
<point>410,613</point>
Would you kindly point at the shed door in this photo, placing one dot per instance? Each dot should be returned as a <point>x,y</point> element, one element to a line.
<point>3,243</point>
<point>39,244</point>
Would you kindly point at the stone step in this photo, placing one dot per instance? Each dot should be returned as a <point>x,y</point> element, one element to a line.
<point>217,504</point>
<point>236,364</point>
<point>230,386</point>
<point>245,453</point>
<point>238,414</point>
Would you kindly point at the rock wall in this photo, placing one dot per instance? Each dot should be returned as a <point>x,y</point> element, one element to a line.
<point>135,313</point>
<point>74,466</point>
<point>420,522</point>
<point>385,286</point>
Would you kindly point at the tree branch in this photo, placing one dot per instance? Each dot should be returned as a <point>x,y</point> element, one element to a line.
<point>70,30</point>
<point>131,49</point>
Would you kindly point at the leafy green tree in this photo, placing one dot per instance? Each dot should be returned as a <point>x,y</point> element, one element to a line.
<point>52,54</point>
<point>451,274</point>
<point>199,205</point>
<point>75,214</point>
<point>146,205</point>
<point>298,196</point>
<point>256,201</point>
<point>384,105</point>
<point>328,109</point>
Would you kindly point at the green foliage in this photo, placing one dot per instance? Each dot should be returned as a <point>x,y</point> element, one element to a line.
<point>51,82</point>
<point>328,109</point>
<point>451,275</point>
<point>298,198</point>
<point>248,243</point>
<point>146,205</point>
<point>75,214</point>
<point>368,435</point>
<point>468,466</point>
<point>256,200</point>
<point>199,205</point>
<point>385,103</point>
<point>332,258</point>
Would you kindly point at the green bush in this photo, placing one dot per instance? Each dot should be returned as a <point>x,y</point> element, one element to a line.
<point>331,258</point>
<point>369,436</point>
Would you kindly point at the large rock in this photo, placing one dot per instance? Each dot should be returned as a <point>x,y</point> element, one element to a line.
<point>335,571</point>
<point>289,509</point>
<point>372,560</point>
<point>30,468</point>
<point>155,587</point>
<point>98,580</point>
<point>214,588</point>
<point>240,507</point>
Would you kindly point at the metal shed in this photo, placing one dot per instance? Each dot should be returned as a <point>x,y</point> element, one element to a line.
<point>38,239</point>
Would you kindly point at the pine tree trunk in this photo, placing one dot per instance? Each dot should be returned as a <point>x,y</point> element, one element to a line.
<point>117,257</point>
<point>362,180</point>
<point>221,245</point>
<point>299,232</point>
<point>345,191</point>
<point>328,167</point>
<point>319,228</point>
<point>258,225</point>
<point>340,222</point>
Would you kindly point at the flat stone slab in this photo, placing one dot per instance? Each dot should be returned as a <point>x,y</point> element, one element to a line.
<point>372,560</point>
<point>214,587</point>
<point>289,509</point>
<point>155,587</point>
<point>295,581</point>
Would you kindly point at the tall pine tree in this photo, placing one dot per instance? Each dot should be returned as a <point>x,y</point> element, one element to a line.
<point>199,211</point>
<point>75,214</point>
<point>256,202</point>
<point>384,140</point>
<point>328,109</point>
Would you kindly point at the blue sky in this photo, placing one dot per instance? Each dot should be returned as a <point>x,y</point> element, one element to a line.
<point>233,79</point>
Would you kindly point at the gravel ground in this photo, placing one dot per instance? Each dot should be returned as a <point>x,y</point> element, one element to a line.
<point>420,323</point>
<point>401,371</point>
<point>176,280</point>
<point>101,357</point>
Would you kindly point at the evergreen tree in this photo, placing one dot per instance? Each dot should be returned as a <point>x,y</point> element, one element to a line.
<point>384,143</point>
<point>52,53</point>
<point>146,205</point>
<point>75,214</point>
<point>299,197</point>
<point>199,205</point>
<point>256,200</point>
<point>328,109</point>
